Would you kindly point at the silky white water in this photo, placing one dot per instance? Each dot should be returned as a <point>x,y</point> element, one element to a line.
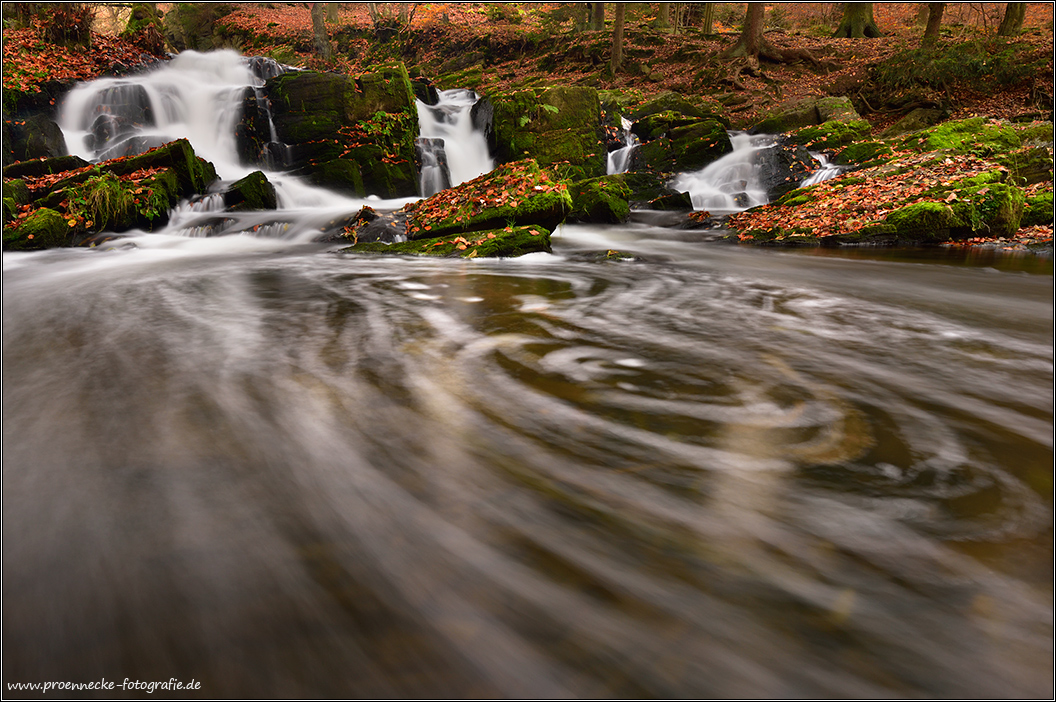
<point>465,147</point>
<point>731,183</point>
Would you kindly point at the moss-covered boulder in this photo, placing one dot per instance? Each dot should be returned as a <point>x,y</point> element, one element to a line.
<point>507,242</point>
<point>352,135</point>
<point>916,120</point>
<point>831,135</point>
<point>552,126</point>
<point>976,135</point>
<point>806,112</point>
<point>689,146</point>
<point>44,166</point>
<point>514,194</point>
<point>1038,209</point>
<point>864,154</point>
<point>671,102</point>
<point>44,228</point>
<point>16,194</point>
<point>111,196</point>
<point>600,200</point>
<point>192,25</point>
<point>253,192</point>
<point>924,221</point>
<point>995,209</point>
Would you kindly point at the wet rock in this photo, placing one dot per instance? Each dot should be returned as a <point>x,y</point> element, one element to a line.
<point>601,200</point>
<point>351,135</point>
<point>783,167</point>
<point>495,243</point>
<point>253,192</point>
<point>677,202</point>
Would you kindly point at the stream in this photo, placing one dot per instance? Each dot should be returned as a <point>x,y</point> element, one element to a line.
<point>715,471</point>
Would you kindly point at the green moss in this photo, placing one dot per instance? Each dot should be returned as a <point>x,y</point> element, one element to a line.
<point>977,135</point>
<point>923,221</point>
<point>795,200</point>
<point>600,200</point>
<point>1038,210</point>
<point>15,193</point>
<point>253,192</point>
<point>865,154</point>
<point>45,228</point>
<point>495,243</point>
<point>105,201</point>
<point>994,210</point>
<point>1036,133</point>
<point>832,134</point>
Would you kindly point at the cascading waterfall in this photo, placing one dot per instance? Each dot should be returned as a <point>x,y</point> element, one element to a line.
<point>620,159</point>
<point>453,151</point>
<point>826,170</point>
<point>731,183</point>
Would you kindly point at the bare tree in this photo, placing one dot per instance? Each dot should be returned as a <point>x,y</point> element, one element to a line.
<point>708,21</point>
<point>858,21</point>
<point>1012,23</point>
<point>931,32</point>
<point>663,20</point>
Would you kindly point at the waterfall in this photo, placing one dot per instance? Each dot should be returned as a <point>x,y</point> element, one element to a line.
<point>195,96</point>
<point>620,159</point>
<point>461,147</point>
<point>826,170</point>
<point>730,184</point>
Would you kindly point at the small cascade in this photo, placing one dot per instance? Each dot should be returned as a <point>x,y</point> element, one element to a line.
<point>730,184</point>
<point>195,96</point>
<point>620,160</point>
<point>462,148</point>
<point>825,171</point>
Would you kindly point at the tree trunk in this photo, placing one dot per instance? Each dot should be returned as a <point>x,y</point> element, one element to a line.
<point>663,20</point>
<point>751,35</point>
<point>598,17</point>
<point>1012,23</point>
<point>931,32</point>
<point>617,36</point>
<point>331,12</point>
<point>320,39</point>
<point>581,16</point>
<point>708,22</point>
<point>858,22</point>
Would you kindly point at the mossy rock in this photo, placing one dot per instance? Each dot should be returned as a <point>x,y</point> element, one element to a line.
<point>995,209</point>
<point>976,135</point>
<point>924,222</point>
<point>507,242</point>
<point>670,102</point>
<point>914,121</point>
<point>1037,133</point>
<point>44,166</point>
<point>43,229</point>
<point>15,194</point>
<point>193,174</point>
<point>549,126</point>
<point>794,198</point>
<point>805,113</point>
<point>514,194</point>
<point>832,134</point>
<point>1028,165</point>
<point>864,154</point>
<point>254,192</point>
<point>352,135</point>
<point>688,147</point>
<point>1038,209</point>
<point>601,200</point>
<point>658,124</point>
<point>675,202</point>
<point>646,186</point>
<point>470,78</point>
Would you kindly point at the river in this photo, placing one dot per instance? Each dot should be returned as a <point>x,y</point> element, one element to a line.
<point>715,472</point>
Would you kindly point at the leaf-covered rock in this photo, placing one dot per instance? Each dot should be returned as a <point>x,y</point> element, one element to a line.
<point>494,243</point>
<point>600,200</point>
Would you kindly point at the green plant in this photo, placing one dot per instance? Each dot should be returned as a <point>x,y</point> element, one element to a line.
<point>101,200</point>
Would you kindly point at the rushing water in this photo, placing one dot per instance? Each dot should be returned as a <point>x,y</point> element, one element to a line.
<point>731,183</point>
<point>713,472</point>
<point>719,472</point>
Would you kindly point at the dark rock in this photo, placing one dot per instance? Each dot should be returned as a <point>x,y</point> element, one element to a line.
<point>36,136</point>
<point>44,166</point>
<point>253,192</point>
<point>676,202</point>
<point>425,91</point>
<point>783,167</point>
<point>805,113</point>
<point>483,116</point>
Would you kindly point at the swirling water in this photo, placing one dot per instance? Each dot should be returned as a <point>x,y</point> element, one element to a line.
<point>715,473</point>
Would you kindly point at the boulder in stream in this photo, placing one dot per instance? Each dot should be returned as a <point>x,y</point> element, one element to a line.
<point>352,135</point>
<point>559,127</point>
<point>805,113</point>
<point>601,200</point>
